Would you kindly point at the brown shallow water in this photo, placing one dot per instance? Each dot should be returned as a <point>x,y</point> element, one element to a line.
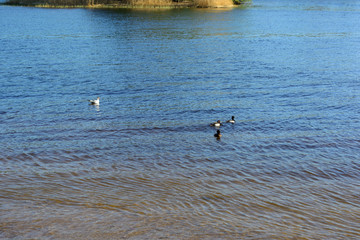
<point>183,201</point>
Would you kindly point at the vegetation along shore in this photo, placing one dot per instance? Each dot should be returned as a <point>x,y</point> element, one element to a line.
<point>128,3</point>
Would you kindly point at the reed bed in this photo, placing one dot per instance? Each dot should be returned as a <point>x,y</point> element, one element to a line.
<point>150,2</point>
<point>213,3</point>
<point>125,3</point>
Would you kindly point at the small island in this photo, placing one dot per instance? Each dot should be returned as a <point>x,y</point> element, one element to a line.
<point>128,3</point>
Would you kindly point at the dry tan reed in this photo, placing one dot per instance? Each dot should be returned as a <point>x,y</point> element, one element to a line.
<point>150,2</point>
<point>213,3</point>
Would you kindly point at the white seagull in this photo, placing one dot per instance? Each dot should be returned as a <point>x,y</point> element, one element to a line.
<point>95,102</point>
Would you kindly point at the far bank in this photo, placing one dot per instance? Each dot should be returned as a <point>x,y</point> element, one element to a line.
<point>129,3</point>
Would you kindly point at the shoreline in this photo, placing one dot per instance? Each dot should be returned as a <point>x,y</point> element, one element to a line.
<point>188,4</point>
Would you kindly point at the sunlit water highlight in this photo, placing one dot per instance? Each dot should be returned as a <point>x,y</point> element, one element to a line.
<point>144,164</point>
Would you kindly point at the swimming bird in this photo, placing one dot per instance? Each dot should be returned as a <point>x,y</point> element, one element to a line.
<point>95,102</point>
<point>232,120</point>
<point>217,134</point>
<point>216,124</point>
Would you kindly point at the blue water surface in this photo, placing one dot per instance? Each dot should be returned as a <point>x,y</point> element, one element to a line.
<point>287,70</point>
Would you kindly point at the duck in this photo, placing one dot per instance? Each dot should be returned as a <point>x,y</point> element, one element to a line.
<point>216,124</point>
<point>95,102</point>
<point>232,120</point>
<point>217,134</point>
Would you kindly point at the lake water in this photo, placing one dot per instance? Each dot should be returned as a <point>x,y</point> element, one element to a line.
<point>144,164</point>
